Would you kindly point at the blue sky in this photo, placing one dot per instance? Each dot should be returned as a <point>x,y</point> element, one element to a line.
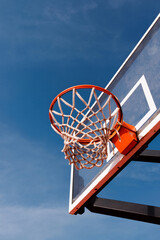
<point>47,46</point>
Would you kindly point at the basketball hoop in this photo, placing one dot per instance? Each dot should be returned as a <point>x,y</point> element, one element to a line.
<point>86,124</point>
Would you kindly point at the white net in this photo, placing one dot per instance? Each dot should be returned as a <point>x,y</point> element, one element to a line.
<point>85,156</point>
<point>86,132</point>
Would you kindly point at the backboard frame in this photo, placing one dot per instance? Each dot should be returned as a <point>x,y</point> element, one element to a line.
<point>145,134</point>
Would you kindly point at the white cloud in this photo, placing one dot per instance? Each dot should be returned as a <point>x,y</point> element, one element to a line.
<point>32,223</point>
<point>118,3</point>
<point>28,173</point>
<point>146,172</point>
<point>65,14</point>
<point>53,31</point>
<point>18,223</point>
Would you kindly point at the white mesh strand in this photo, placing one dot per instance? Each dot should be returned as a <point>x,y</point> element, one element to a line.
<point>97,129</point>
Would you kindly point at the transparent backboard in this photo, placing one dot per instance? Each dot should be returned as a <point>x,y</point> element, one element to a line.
<point>137,86</point>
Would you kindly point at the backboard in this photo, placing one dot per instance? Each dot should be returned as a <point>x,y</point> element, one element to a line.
<point>137,85</point>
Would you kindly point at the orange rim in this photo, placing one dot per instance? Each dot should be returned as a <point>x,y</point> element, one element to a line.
<point>117,126</point>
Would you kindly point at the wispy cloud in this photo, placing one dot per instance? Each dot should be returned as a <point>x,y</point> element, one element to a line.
<point>65,14</point>
<point>32,223</point>
<point>54,31</point>
<point>147,172</point>
<point>49,223</point>
<point>118,4</point>
<point>27,170</point>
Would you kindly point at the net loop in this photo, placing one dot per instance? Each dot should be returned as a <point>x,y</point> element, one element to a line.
<point>86,131</point>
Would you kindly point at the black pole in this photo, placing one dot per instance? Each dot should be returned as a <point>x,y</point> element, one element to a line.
<point>148,156</point>
<point>127,210</point>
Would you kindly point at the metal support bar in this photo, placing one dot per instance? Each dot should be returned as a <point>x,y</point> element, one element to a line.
<point>134,211</point>
<point>148,156</point>
<point>122,209</point>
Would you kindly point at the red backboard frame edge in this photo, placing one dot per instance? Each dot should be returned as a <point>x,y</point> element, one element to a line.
<point>80,202</point>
